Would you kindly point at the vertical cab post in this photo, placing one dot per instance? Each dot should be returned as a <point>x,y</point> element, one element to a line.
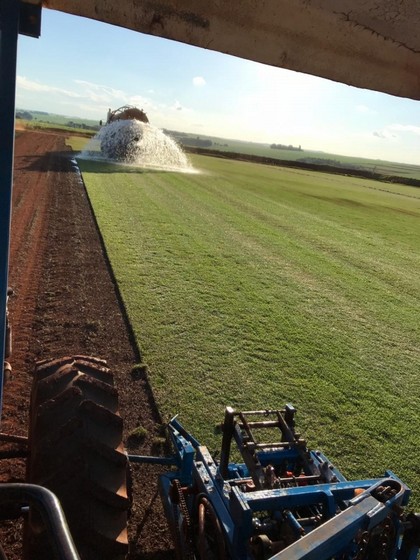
<point>15,17</point>
<point>9,30</point>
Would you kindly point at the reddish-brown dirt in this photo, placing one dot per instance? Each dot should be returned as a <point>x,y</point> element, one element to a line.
<point>66,302</point>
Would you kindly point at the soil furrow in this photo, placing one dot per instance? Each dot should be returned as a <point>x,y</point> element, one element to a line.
<point>67,303</point>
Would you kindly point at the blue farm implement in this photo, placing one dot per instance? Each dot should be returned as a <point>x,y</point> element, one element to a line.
<point>281,501</point>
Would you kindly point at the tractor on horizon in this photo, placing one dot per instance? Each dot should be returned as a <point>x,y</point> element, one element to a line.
<point>125,113</point>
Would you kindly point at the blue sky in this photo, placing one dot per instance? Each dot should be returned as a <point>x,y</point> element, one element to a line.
<point>81,68</point>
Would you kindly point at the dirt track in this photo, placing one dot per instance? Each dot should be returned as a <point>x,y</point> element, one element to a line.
<point>67,303</point>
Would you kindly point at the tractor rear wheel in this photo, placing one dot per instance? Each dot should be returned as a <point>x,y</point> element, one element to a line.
<point>76,451</point>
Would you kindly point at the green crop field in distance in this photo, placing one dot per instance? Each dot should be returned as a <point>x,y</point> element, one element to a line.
<point>253,286</point>
<point>385,168</point>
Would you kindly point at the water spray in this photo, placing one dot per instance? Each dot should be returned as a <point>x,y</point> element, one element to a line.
<point>136,142</point>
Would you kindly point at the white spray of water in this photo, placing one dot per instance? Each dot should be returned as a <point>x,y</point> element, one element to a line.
<point>135,143</point>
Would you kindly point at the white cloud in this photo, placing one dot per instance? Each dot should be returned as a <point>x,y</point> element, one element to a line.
<point>99,93</point>
<point>405,128</point>
<point>199,81</point>
<point>384,134</point>
<point>93,99</point>
<point>29,85</point>
<point>389,131</point>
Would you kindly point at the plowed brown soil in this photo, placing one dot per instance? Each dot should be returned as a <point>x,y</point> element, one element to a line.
<point>66,302</point>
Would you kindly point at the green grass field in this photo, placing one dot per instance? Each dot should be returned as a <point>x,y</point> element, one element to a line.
<point>77,143</point>
<point>42,126</point>
<point>253,286</point>
<point>42,117</point>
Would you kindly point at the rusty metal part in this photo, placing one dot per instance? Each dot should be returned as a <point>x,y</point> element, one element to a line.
<point>385,493</point>
<point>182,527</point>
<point>211,542</point>
<point>8,341</point>
<point>10,452</point>
<point>127,112</point>
<point>14,439</point>
<point>362,546</point>
<point>378,543</point>
<point>263,547</point>
<point>7,372</point>
<point>7,368</point>
<point>386,539</point>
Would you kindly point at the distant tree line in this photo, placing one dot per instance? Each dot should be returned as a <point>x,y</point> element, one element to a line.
<point>185,140</point>
<point>24,115</point>
<point>284,147</point>
<point>83,126</point>
<point>55,120</point>
<point>331,162</point>
<point>198,142</point>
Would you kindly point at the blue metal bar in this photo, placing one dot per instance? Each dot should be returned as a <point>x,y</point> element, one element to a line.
<point>178,427</point>
<point>275,457</point>
<point>9,30</point>
<point>287,498</point>
<point>294,523</point>
<point>334,535</point>
<point>184,452</point>
<point>148,459</point>
<point>210,484</point>
<point>320,459</point>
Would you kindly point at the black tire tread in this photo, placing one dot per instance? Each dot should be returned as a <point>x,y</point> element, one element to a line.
<point>76,451</point>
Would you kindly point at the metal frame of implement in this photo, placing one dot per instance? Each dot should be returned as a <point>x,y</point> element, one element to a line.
<point>283,502</point>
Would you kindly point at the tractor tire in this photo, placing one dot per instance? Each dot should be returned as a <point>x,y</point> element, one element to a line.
<point>76,451</point>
